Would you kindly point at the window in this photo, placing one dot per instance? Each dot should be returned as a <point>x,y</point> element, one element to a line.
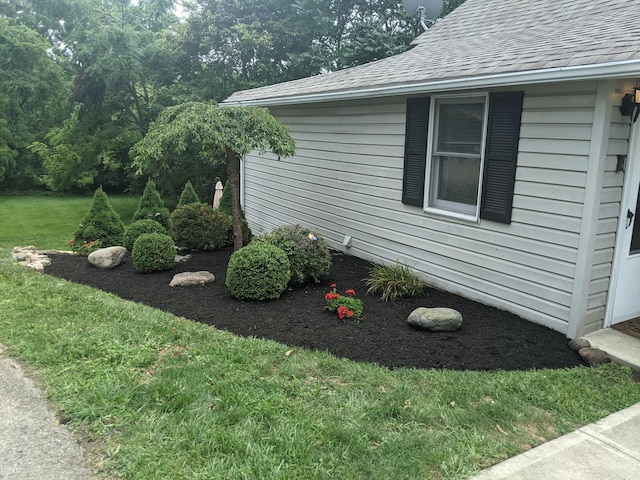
<point>461,151</point>
<point>456,155</point>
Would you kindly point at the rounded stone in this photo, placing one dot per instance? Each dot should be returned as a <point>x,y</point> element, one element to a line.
<point>439,319</point>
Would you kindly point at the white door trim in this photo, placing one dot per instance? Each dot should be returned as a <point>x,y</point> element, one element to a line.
<point>629,190</point>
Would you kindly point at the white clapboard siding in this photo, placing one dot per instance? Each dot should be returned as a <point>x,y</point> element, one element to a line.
<point>346,180</point>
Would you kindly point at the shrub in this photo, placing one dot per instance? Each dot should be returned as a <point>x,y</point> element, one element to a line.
<point>153,252</point>
<point>308,253</point>
<point>198,226</point>
<point>394,282</point>
<point>188,195</point>
<point>101,227</point>
<point>259,271</point>
<point>151,206</point>
<point>225,199</point>
<point>137,228</point>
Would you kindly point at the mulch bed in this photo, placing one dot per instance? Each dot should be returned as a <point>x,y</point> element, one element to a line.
<point>489,339</point>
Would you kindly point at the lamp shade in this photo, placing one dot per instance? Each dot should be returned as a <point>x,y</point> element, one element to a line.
<point>637,95</point>
<point>431,9</point>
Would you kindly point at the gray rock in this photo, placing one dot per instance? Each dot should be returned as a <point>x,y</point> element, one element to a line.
<point>439,319</point>
<point>594,356</point>
<point>183,258</point>
<point>29,257</point>
<point>577,343</point>
<point>108,257</point>
<point>191,278</point>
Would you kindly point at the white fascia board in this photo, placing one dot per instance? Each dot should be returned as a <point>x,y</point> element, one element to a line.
<point>629,68</point>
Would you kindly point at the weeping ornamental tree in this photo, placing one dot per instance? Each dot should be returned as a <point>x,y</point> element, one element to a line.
<point>215,133</point>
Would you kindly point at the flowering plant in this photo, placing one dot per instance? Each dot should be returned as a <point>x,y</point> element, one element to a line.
<point>346,306</point>
<point>84,247</point>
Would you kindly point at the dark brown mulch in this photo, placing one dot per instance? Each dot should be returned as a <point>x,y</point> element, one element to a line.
<point>489,339</point>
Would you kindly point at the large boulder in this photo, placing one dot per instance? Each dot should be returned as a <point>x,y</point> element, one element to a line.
<point>439,319</point>
<point>191,278</point>
<point>108,257</point>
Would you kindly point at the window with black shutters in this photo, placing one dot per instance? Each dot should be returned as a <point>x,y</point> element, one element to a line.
<point>467,158</point>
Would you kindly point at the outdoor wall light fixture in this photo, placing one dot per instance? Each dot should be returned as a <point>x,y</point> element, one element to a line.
<point>631,104</point>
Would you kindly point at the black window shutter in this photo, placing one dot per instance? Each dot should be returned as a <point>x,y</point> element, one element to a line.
<point>415,151</point>
<point>503,136</point>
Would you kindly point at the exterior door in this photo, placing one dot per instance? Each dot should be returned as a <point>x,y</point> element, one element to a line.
<point>626,281</point>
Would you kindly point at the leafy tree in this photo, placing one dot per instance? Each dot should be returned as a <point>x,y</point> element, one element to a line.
<point>188,195</point>
<point>33,92</point>
<point>151,206</point>
<point>213,131</point>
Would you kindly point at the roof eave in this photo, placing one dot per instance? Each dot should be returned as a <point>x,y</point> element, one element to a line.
<point>629,68</point>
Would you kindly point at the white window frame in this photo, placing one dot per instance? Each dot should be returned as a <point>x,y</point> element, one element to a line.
<point>452,209</point>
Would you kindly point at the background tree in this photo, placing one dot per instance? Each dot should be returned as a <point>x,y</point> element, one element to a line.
<point>33,94</point>
<point>227,132</point>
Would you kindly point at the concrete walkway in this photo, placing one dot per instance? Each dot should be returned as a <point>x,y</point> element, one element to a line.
<point>32,445</point>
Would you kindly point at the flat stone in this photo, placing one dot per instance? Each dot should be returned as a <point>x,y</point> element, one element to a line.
<point>192,278</point>
<point>439,319</point>
<point>108,257</point>
<point>183,258</point>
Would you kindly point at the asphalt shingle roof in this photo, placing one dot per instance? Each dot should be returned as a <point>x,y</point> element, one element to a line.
<point>488,37</point>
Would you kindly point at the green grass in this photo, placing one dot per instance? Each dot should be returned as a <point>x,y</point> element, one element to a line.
<point>161,397</point>
<point>49,222</point>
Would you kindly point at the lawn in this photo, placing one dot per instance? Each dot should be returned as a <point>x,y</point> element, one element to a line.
<point>159,396</point>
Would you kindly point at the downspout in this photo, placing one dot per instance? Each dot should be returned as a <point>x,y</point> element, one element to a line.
<point>591,207</point>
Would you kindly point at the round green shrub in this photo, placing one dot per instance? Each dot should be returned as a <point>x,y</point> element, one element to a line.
<point>307,252</point>
<point>137,228</point>
<point>197,226</point>
<point>259,271</point>
<point>153,252</point>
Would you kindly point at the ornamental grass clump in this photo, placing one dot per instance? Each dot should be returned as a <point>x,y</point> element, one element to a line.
<point>101,227</point>
<point>259,271</point>
<point>137,228</point>
<point>346,306</point>
<point>394,281</point>
<point>307,251</point>
<point>198,226</point>
<point>153,252</point>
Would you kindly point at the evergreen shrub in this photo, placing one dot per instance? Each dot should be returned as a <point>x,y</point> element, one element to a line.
<point>308,253</point>
<point>188,195</point>
<point>101,226</point>
<point>259,271</point>
<point>151,206</point>
<point>137,228</point>
<point>153,252</point>
<point>198,226</point>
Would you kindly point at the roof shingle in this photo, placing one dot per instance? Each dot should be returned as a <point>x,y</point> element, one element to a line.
<point>486,37</point>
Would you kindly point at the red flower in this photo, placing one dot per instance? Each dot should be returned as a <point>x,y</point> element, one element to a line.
<point>84,245</point>
<point>343,312</point>
<point>350,292</point>
<point>331,296</point>
<point>70,242</point>
<point>333,285</point>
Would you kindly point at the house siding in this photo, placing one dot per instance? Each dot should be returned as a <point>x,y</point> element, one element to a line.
<point>346,180</point>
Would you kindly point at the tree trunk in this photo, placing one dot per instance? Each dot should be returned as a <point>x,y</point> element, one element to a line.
<point>233,171</point>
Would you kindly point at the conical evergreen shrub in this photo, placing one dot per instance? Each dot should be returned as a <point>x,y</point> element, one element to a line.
<point>151,206</point>
<point>188,195</point>
<point>101,227</point>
